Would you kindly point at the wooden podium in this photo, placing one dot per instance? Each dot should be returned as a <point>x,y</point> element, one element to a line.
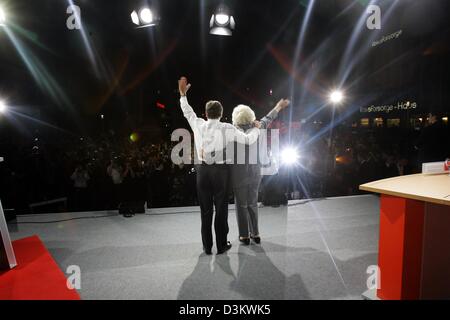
<point>414,244</point>
<point>7,257</point>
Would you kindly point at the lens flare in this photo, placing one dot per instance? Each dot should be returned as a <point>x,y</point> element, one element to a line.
<point>2,107</point>
<point>336,97</point>
<point>289,156</point>
<point>134,137</point>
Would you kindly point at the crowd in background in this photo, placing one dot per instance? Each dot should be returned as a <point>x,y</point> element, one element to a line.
<point>99,174</point>
<point>95,174</point>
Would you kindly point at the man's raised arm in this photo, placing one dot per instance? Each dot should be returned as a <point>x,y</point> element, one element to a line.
<point>188,112</point>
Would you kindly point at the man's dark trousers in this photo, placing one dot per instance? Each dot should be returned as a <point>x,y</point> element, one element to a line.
<point>212,191</point>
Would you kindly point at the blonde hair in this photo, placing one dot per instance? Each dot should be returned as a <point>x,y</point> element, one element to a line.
<point>243,115</point>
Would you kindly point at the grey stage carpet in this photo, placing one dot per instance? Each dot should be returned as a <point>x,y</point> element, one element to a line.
<point>317,249</point>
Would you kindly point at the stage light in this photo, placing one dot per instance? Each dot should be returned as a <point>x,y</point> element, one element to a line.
<point>3,107</point>
<point>135,17</point>
<point>2,17</point>
<point>336,97</point>
<point>222,22</point>
<point>289,156</point>
<point>146,15</point>
<point>102,116</point>
<point>222,19</point>
<point>146,18</point>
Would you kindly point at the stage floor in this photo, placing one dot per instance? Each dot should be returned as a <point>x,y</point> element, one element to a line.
<point>317,249</point>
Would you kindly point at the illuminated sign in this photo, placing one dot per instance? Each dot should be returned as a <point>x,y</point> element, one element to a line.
<point>400,106</point>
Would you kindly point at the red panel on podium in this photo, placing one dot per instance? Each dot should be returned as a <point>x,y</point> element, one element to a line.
<point>400,248</point>
<point>37,276</point>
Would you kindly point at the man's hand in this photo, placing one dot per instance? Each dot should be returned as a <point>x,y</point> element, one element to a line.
<point>183,86</point>
<point>282,104</point>
<point>257,124</point>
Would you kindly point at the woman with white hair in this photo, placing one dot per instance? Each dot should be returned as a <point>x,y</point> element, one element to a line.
<point>246,177</point>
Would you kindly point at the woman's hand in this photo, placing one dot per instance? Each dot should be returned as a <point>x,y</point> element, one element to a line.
<point>282,104</point>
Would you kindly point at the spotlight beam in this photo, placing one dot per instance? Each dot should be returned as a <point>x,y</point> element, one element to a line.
<point>347,114</point>
<point>87,43</point>
<point>40,74</point>
<point>351,58</point>
<point>352,42</point>
<point>31,36</point>
<point>301,36</point>
<point>298,50</point>
<point>43,123</point>
<point>202,31</point>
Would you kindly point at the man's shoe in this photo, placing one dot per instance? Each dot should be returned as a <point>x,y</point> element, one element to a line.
<point>225,249</point>
<point>207,252</point>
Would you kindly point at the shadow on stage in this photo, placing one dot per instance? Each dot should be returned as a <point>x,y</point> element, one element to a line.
<point>289,273</point>
<point>256,278</point>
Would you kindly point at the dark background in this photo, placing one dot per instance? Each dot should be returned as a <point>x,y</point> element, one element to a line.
<point>134,69</point>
